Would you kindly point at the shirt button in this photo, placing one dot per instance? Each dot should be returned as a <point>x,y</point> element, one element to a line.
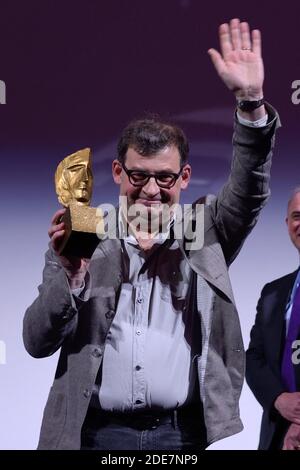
<point>138,332</point>
<point>138,402</point>
<point>109,314</point>
<point>68,313</point>
<point>97,352</point>
<point>86,393</point>
<point>139,300</point>
<point>137,367</point>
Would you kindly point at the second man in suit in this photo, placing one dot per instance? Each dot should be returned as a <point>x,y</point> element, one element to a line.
<point>273,357</point>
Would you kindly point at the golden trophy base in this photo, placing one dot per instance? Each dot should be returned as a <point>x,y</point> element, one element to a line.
<point>83,225</point>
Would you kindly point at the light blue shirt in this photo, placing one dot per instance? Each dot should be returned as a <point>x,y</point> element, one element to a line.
<point>150,352</point>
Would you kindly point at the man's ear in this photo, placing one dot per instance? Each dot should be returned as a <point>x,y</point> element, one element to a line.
<point>116,171</point>
<point>186,176</point>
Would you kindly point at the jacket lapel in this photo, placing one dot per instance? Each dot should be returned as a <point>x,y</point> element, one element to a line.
<point>207,261</point>
<point>276,327</point>
<point>209,265</point>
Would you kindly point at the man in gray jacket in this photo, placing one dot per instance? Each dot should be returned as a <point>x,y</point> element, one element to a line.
<point>151,348</point>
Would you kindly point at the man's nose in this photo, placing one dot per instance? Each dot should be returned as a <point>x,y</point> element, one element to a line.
<point>151,188</point>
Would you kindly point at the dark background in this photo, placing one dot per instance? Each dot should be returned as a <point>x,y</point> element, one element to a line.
<point>76,72</point>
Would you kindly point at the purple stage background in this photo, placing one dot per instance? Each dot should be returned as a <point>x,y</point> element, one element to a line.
<point>75,73</point>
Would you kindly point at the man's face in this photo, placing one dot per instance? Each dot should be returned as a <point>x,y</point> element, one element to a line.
<point>150,195</point>
<point>79,178</point>
<point>293,220</point>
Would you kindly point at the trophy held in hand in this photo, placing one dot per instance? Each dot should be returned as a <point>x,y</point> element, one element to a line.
<point>74,185</point>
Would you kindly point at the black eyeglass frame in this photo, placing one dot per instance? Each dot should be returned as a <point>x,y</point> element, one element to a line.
<point>175,177</point>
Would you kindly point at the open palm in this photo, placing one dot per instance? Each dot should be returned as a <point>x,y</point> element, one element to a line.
<point>240,64</point>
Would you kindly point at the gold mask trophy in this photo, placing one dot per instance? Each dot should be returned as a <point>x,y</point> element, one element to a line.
<point>74,186</point>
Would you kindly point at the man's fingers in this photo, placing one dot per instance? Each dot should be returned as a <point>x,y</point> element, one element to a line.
<point>55,228</point>
<point>256,42</point>
<point>294,417</point>
<point>217,60</point>
<point>245,34</point>
<point>57,239</point>
<point>225,39</point>
<point>235,34</point>
<point>57,216</point>
<point>58,235</point>
<point>56,225</point>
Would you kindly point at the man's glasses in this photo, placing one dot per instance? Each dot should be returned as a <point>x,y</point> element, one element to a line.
<point>141,178</point>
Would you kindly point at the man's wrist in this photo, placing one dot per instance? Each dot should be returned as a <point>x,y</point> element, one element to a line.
<point>262,122</point>
<point>249,94</point>
<point>254,115</point>
<point>76,279</point>
<point>250,103</point>
<point>77,290</point>
<point>249,106</point>
<point>76,283</point>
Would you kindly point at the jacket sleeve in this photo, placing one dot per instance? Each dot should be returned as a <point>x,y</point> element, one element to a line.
<point>53,315</point>
<point>263,382</point>
<point>235,211</point>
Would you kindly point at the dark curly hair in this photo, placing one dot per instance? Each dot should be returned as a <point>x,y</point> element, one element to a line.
<point>150,135</point>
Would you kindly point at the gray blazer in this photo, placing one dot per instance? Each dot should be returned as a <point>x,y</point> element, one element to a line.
<point>79,327</point>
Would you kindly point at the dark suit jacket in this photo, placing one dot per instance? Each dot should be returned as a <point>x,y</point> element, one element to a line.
<point>263,358</point>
